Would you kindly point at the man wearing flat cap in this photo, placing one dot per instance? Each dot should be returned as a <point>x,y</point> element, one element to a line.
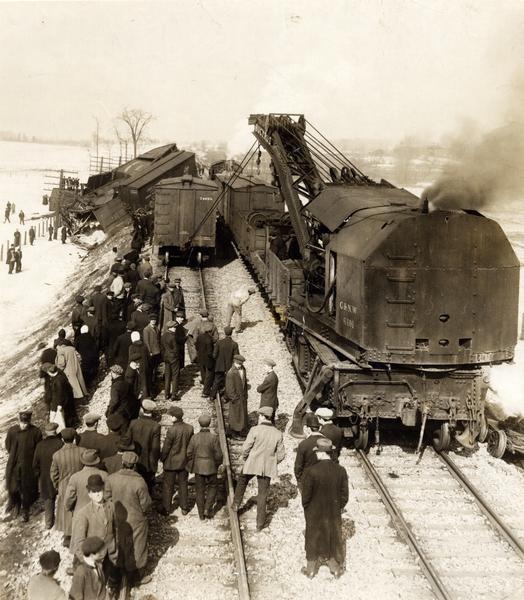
<point>148,292</point>
<point>268,388</point>
<point>120,399</point>
<point>330,430</point>
<point>324,495</point>
<point>140,316</point>
<point>172,344</point>
<point>132,501</point>
<point>236,395</point>
<point>262,451</point>
<point>306,450</point>
<point>204,456</point>
<point>90,438</point>
<point>90,579</point>
<point>172,300</point>
<point>223,353</point>
<point>139,353</point>
<point>174,457</point>
<point>44,585</point>
<point>65,462</point>
<point>42,460</point>
<point>112,464</point>
<point>151,337</point>
<point>21,482</point>
<point>121,346</point>
<point>145,433</point>
<point>62,408</point>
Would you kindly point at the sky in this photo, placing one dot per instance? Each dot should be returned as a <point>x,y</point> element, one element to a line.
<point>357,68</point>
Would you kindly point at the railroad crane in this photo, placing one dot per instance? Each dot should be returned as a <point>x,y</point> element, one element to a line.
<point>397,310</point>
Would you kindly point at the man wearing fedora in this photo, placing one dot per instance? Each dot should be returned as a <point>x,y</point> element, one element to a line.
<point>174,457</point>
<point>236,395</point>
<point>324,495</point>
<point>42,460</point>
<point>262,451</point>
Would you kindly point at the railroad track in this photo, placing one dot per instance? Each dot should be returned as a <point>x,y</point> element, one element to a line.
<point>461,546</point>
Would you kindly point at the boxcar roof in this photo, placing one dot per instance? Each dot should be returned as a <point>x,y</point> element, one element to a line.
<point>155,169</point>
<point>180,182</point>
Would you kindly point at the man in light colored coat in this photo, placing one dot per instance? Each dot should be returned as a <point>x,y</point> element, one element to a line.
<point>262,451</point>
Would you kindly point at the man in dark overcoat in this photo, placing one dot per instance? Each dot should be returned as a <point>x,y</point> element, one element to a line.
<point>236,395</point>
<point>205,361</point>
<point>42,460</point>
<point>223,353</point>
<point>21,482</point>
<point>174,457</point>
<point>204,456</point>
<point>324,495</point>
<point>151,337</point>
<point>146,434</point>
<point>87,346</point>
<point>47,358</point>
<point>77,315</point>
<point>132,277</point>
<point>132,378</point>
<point>306,450</point>
<point>90,438</point>
<point>148,292</point>
<point>140,316</point>
<point>268,388</point>
<point>112,464</point>
<point>330,430</point>
<point>65,462</point>
<point>172,353</point>
<point>121,346</point>
<point>132,501</point>
<point>119,399</point>
<point>62,408</point>
<point>139,353</point>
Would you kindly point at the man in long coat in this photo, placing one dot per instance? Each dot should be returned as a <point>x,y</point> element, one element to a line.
<point>268,388</point>
<point>65,463</point>
<point>77,315</point>
<point>139,353</point>
<point>330,430</point>
<point>119,399</point>
<point>42,460</point>
<point>21,482</point>
<point>172,353</point>
<point>324,495</point>
<point>132,501</point>
<point>262,451</point>
<point>67,359</point>
<point>146,434</point>
<point>62,408</point>
<point>121,346</point>
<point>236,395</point>
<point>151,336</point>
<point>204,456</point>
<point>87,347</point>
<point>148,292</point>
<point>206,362</point>
<point>306,450</point>
<point>223,353</point>
<point>174,457</point>
<point>76,492</point>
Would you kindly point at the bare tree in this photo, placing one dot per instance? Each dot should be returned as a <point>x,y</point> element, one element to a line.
<point>136,120</point>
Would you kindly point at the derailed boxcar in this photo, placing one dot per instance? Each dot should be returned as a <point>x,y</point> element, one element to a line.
<point>184,215</point>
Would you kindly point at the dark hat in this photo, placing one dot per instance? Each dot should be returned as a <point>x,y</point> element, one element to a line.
<point>92,545</point>
<point>153,317</point>
<point>178,280</point>
<point>79,299</point>
<point>228,330</point>
<point>145,306</point>
<point>170,324</point>
<point>25,415</point>
<point>117,370</point>
<point>125,444</point>
<point>49,560</point>
<point>252,290</point>
<point>68,434</point>
<point>312,421</point>
<point>239,358</point>
<point>110,293</point>
<point>115,421</point>
<point>267,411</point>
<point>91,418</point>
<point>179,313</point>
<point>324,445</point>
<point>176,411</point>
<point>98,288</point>
<point>130,325</point>
<point>118,259</point>
<point>204,420</point>
<point>269,362</point>
<point>89,457</point>
<point>204,313</point>
<point>129,458</point>
<point>95,483</point>
<point>50,427</point>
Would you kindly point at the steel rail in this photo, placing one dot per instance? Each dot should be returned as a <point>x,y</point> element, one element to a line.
<point>236,534</point>
<point>497,523</point>
<point>404,529</point>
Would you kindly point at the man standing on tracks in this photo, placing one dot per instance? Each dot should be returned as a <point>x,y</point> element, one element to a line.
<point>237,299</point>
<point>262,451</point>
<point>306,450</point>
<point>236,395</point>
<point>223,353</point>
<point>172,300</point>
<point>172,343</point>
<point>205,360</point>
<point>146,433</point>
<point>324,495</point>
<point>330,430</point>
<point>204,456</point>
<point>268,388</point>
<point>174,457</point>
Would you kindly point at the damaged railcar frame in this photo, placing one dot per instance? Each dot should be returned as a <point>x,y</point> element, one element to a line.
<point>401,309</point>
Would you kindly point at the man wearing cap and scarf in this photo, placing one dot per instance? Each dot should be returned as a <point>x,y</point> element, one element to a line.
<point>268,388</point>
<point>151,335</point>
<point>236,395</point>
<point>174,457</point>
<point>223,353</point>
<point>64,463</point>
<point>76,494</point>
<point>62,408</point>
<point>95,518</point>
<point>148,292</point>
<point>306,454</point>
<point>173,354</point>
<point>42,460</point>
<point>146,434</point>
<point>121,400</point>
<point>112,464</point>
<point>324,495</point>
<point>87,346</point>
<point>132,501</point>
<point>91,579</point>
<point>204,456</point>
<point>139,353</point>
<point>237,299</point>
<point>90,438</point>
<point>121,346</point>
<point>44,586</point>
<point>76,315</point>
<point>262,451</point>
<point>140,316</point>
<point>330,430</point>
<point>21,482</point>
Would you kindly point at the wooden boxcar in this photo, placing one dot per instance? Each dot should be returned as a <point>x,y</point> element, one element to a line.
<point>181,205</point>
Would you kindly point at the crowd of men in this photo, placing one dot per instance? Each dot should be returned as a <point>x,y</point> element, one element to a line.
<point>97,488</point>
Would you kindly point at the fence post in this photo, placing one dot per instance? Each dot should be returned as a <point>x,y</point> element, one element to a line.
<point>2,253</point>
<point>25,238</point>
